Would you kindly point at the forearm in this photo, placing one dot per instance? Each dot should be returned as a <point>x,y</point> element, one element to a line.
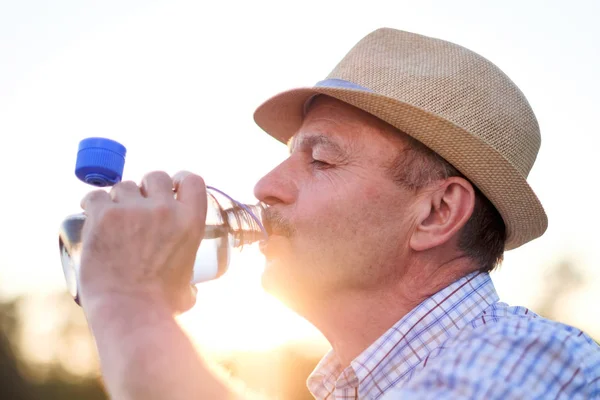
<point>144,354</point>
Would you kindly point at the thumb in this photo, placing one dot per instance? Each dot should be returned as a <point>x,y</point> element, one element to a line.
<point>186,299</point>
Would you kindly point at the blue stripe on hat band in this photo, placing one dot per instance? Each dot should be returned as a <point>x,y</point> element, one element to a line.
<point>340,83</point>
<point>334,83</point>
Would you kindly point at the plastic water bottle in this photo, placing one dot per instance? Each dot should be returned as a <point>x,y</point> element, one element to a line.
<point>229,224</point>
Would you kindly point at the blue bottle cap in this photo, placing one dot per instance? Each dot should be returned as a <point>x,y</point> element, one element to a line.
<point>100,161</point>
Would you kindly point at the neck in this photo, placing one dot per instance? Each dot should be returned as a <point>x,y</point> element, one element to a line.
<point>351,326</point>
<point>353,320</point>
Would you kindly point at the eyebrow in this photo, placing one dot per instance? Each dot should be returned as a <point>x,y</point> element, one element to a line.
<point>309,142</point>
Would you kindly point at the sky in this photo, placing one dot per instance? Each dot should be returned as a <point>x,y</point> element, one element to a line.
<point>177,82</point>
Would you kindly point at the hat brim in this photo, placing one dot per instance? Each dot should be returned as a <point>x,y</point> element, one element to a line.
<point>524,217</point>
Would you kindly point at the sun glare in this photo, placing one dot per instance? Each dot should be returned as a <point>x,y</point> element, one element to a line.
<point>234,313</point>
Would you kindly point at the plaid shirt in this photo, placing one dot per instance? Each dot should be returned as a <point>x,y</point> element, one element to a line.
<point>462,343</point>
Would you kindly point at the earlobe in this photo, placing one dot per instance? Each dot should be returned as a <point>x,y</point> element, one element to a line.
<point>442,214</point>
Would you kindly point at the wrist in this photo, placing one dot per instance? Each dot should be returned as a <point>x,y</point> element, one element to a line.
<point>111,293</point>
<point>124,313</point>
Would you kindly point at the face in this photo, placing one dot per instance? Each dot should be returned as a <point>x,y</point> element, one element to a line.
<point>339,222</point>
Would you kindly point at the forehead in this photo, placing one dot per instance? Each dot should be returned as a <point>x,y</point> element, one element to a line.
<point>334,123</point>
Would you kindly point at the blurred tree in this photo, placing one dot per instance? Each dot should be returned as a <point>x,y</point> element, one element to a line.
<point>15,370</point>
<point>12,384</point>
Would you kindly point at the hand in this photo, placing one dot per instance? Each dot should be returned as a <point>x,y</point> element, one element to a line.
<point>140,243</point>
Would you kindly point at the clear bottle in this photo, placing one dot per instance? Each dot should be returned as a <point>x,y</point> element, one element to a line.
<point>229,224</point>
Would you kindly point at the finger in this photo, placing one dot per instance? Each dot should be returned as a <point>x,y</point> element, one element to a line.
<point>191,190</point>
<point>95,200</point>
<point>123,191</point>
<point>157,184</point>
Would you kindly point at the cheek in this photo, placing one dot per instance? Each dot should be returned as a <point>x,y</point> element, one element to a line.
<point>331,224</point>
<point>382,220</point>
<point>320,213</point>
<point>358,212</point>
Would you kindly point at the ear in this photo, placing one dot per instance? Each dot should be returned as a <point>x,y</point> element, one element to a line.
<point>442,212</point>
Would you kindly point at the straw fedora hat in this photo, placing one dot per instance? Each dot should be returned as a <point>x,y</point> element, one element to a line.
<point>449,98</point>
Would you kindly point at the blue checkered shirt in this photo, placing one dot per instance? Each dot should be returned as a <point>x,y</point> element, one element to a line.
<point>462,343</point>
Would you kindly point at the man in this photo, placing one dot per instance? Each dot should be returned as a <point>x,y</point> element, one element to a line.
<point>405,183</point>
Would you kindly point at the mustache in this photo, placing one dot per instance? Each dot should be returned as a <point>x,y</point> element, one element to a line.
<point>276,224</point>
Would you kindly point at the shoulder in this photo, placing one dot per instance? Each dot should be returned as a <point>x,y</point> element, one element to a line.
<point>509,330</point>
<point>511,349</point>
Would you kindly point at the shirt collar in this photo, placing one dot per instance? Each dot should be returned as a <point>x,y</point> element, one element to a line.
<point>409,341</point>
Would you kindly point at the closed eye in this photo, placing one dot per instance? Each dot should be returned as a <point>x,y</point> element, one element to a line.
<point>320,164</point>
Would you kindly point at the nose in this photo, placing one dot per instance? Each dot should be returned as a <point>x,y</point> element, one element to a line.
<point>278,186</point>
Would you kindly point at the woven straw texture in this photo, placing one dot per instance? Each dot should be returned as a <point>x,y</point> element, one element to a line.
<point>449,98</point>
